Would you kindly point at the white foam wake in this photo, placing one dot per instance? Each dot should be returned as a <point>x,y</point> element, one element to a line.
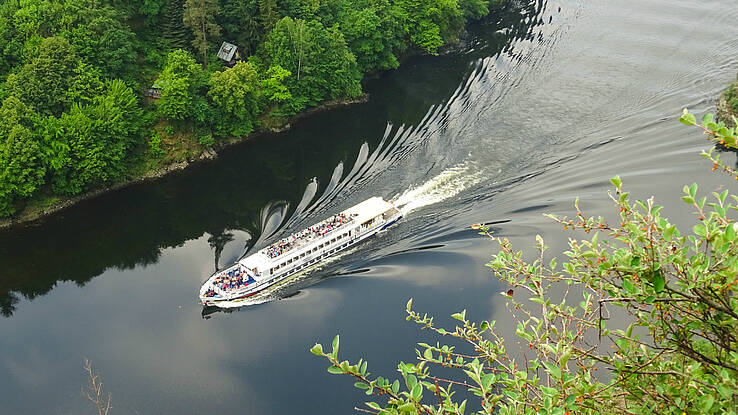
<point>447,184</point>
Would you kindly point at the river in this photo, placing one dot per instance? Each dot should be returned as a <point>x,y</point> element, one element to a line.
<point>541,103</point>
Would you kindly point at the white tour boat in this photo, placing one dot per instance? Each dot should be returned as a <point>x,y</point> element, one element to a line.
<point>297,252</point>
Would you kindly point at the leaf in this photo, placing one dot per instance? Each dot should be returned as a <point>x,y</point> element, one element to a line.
<point>409,305</point>
<point>669,232</point>
<point>335,370</point>
<point>687,118</point>
<point>459,316</point>
<point>335,345</point>
<point>395,386</point>
<point>428,354</point>
<point>707,118</point>
<point>417,391</point>
<point>658,281</point>
<point>629,287</point>
<point>707,402</point>
<point>616,181</point>
<point>361,385</point>
<point>317,349</point>
<point>635,261</point>
<point>406,407</point>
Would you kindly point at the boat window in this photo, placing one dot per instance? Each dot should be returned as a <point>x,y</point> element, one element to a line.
<point>333,240</point>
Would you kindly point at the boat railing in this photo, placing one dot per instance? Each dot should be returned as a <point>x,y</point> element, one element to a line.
<point>307,236</point>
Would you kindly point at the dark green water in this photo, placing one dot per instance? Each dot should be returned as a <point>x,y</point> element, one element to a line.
<point>540,104</point>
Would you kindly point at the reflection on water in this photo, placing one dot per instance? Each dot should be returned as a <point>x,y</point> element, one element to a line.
<point>539,105</point>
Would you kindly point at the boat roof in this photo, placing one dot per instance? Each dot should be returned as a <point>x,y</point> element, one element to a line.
<point>360,213</point>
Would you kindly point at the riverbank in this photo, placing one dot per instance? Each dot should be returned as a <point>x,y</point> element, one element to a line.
<point>46,203</point>
<point>727,105</point>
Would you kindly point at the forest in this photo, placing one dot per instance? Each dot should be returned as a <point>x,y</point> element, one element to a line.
<point>96,92</point>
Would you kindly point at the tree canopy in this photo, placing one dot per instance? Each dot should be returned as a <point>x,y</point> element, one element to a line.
<point>75,76</point>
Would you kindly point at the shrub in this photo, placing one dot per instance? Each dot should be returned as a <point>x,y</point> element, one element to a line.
<point>206,140</point>
<point>676,352</point>
<point>155,145</point>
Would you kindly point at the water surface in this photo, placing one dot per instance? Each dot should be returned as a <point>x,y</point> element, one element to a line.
<point>542,103</point>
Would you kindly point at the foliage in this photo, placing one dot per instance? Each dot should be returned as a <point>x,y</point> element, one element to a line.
<point>431,24</point>
<point>21,170</point>
<point>272,88</point>
<point>731,97</point>
<point>721,136</point>
<point>180,81</point>
<point>44,81</point>
<point>59,60</point>
<point>673,348</point>
<point>319,59</point>
<point>199,17</point>
<point>95,139</point>
<point>233,92</point>
<point>206,140</point>
<point>155,145</point>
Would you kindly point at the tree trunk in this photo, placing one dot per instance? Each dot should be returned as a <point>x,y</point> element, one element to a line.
<point>204,47</point>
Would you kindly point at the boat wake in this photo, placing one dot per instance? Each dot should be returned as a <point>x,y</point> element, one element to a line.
<point>445,185</point>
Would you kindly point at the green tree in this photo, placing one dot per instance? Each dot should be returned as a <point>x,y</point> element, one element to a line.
<point>268,14</point>
<point>241,24</point>
<point>104,41</point>
<point>233,92</point>
<point>199,17</point>
<point>272,87</point>
<point>21,169</point>
<point>95,139</point>
<point>43,82</point>
<point>319,59</point>
<point>675,350</point>
<point>363,32</point>
<point>181,82</point>
<point>431,24</point>
<point>86,83</point>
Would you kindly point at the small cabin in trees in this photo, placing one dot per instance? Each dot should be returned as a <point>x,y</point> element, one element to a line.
<point>154,92</point>
<point>229,53</point>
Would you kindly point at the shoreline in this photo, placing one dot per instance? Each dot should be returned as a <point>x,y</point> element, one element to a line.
<point>27,216</point>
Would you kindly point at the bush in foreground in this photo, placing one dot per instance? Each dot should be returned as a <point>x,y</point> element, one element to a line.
<point>674,351</point>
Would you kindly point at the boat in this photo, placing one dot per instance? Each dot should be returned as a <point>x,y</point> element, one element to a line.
<point>297,252</point>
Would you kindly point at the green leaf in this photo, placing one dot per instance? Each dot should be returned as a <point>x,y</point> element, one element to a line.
<point>658,281</point>
<point>411,381</point>
<point>335,345</point>
<point>409,305</point>
<point>635,261</point>
<point>317,349</point>
<point>374,406</point>
<point>428,354</point>
<point>707,402</point>
<point>459,316</point>
<point>335,370</point>
<point>395,386</point>
<point>693,190</point>
<point>707,118</point>
<point>361,385</point>
<point>669,232</point>
<point>629,287</point>
<point>616,181</point>
<point>687,118</point>
<point>406,407</point>
<point>417,391</point>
